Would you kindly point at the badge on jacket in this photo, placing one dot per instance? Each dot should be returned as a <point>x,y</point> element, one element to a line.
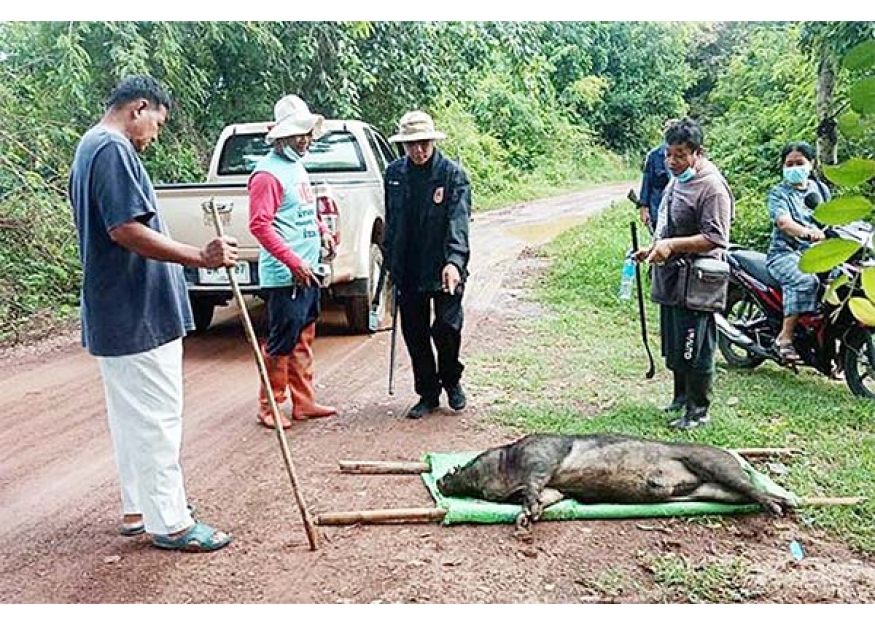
<point>438,195</point>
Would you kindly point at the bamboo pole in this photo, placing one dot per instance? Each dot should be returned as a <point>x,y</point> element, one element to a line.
<point>390,515</point>
<point>407,467</point>
<point>381,467</point>
<point>831,501</point>
<point>428,515</point>
<point>312,534</point>
<point>765,452</point>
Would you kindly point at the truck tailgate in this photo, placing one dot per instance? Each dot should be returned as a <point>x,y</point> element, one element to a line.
<point>185,209</point>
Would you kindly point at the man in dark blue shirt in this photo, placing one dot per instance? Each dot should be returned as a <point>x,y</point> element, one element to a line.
<point>656,177</point>
<point>135,312</point>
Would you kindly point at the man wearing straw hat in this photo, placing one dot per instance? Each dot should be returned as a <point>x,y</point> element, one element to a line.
<point>428,203</point>
<point>284,220</point>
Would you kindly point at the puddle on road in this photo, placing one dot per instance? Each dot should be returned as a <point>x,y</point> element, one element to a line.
<point>542,232</point>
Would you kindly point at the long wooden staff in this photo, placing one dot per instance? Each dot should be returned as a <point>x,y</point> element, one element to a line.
<point>651,371</point>
<point>312,534</point>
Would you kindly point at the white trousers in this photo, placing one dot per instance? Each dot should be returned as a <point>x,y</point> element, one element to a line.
<point>144,410</point>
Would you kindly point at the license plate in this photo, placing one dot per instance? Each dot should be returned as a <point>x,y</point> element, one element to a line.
<point>220,276</point>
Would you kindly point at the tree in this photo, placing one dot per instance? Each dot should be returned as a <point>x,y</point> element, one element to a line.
<point>647,79</point>
<point>826,43</point>
<point>856,175</point>
<point>763,100</point>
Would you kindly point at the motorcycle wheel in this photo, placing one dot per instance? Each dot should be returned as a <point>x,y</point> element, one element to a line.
<point>859,363</point>
<point>741,310</point>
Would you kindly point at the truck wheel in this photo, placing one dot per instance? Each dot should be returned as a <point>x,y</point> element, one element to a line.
<point>358,308</point>
<point>202,311</point>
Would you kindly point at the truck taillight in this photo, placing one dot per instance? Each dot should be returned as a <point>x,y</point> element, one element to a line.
<point>329,215</point>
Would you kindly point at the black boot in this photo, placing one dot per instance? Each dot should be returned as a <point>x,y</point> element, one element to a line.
<point>679,399</point>
<point>422,408</point>
<point>456,396</point>
<point>698,401</point>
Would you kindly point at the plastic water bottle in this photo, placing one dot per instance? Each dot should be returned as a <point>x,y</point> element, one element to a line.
<point>627,277</point>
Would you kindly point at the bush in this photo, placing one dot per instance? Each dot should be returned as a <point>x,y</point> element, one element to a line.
<point>761,104</point>
<point>39,264</point>
<point>565,158</point>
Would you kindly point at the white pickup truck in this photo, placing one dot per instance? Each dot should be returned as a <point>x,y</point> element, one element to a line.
<point>346,168</point>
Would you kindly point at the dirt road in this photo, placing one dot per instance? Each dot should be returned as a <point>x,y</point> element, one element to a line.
<point>59,509</point>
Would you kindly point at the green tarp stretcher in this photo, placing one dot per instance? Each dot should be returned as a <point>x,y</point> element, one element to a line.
<point>465,510</point>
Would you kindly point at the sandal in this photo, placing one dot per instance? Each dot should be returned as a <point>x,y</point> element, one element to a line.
<point>138,527</point>
<point>133,529</point>
<point>199,538</point>
<point>786,352</point>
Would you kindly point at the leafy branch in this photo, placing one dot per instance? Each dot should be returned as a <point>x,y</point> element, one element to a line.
<point>854,174</point>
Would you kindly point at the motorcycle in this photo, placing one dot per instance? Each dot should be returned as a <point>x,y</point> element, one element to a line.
<point>830,340</point>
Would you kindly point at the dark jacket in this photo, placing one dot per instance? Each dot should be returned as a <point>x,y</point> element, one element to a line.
<point>425,233</point>
<point>654,181</point>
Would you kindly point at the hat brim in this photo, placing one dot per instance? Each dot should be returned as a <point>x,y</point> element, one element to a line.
<point>417,136</point>
<point>293,127</point>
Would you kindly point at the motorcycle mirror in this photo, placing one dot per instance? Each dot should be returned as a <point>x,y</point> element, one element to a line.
<point>812,200</point>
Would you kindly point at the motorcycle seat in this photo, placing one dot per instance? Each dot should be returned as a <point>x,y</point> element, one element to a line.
<point>754,263</point>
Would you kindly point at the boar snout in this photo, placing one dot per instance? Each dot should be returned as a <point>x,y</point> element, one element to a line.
<point>449,483</point>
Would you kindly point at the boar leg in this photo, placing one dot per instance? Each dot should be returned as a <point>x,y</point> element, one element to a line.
<point>523,523</point>
<point>524,519</point>
<point>536,496</point>
<point>723,478</point>
<point>549,496</point>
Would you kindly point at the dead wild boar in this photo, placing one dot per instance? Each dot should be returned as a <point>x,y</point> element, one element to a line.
<point>541,469</point>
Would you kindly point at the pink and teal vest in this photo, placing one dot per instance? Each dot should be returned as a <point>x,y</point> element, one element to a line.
<point>296,221</point>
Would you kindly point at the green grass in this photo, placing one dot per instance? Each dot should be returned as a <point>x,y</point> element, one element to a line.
<point>719,581</point>
<point>580,368</point>
<point>612,582</point>
<point>598,167</point>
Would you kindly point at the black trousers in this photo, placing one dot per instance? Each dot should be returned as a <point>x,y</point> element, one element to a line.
<point>689,339</point>
<point>289,311</point>
<point>418,329</point>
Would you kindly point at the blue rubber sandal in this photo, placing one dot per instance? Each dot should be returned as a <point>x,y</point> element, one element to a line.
<point>199,538</point>
<point>135,529</point>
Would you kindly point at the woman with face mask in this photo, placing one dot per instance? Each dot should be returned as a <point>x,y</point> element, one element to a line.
<point>791,208</point>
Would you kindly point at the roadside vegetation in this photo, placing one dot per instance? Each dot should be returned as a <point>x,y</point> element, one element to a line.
<point>579,367</point>
<point>531,108</point>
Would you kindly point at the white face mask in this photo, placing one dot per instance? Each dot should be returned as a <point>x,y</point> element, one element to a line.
<point>685,176</point>
<point>289,153</point>
<point>797,174</point>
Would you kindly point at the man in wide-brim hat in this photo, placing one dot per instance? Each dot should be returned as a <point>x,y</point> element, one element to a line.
<point>428,204</point>
<point>284,220</point>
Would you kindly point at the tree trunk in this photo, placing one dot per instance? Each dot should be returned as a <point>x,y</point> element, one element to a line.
<point>827,138</point>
